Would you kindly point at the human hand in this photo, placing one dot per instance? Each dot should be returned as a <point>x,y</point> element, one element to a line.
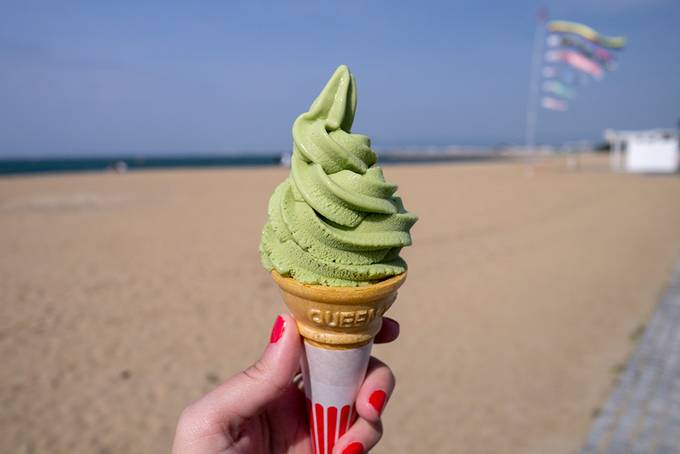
<point>262,410</point>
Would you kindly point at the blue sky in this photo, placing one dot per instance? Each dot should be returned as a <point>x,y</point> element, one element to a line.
<point>136,77</point>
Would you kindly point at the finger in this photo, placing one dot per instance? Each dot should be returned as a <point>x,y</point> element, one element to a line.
<point>250,391</point>
<point>360,438</point>
<point>388,332</point>
<point>247,393</point>
<point>375,391</point>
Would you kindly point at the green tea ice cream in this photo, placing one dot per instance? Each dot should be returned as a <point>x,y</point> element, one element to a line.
<point>335,221</point>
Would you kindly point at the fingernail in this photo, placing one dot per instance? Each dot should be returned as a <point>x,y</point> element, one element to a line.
<point>377,400</point>
<point>353,448</point>
<point>277,330</point>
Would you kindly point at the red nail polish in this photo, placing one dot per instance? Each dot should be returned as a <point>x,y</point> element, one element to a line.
<point>277,330</point>
<point>354,448</point>
<point>377,400</point>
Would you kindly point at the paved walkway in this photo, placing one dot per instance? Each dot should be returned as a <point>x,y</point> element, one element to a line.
<point>643,412</point>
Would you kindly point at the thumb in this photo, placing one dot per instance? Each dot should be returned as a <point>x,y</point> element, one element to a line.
<point>203,424</point>
<point>246,394</point>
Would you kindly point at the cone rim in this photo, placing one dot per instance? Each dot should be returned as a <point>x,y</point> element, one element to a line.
<point>339,295</point>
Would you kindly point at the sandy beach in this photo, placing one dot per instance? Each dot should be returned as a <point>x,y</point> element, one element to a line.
<point>126,296</point>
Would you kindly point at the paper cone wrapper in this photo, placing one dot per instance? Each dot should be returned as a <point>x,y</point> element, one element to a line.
<point>338,325</point>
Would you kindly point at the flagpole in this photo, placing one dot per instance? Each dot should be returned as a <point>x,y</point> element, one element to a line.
<point>532,101</point>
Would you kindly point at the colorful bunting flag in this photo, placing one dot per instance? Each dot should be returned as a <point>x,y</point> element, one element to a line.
<point>611,42</point>
<point>585,48</point>
<point>576,54</point>
<point>554,104</point>
<point>577,61</point>
<point>557,88</point>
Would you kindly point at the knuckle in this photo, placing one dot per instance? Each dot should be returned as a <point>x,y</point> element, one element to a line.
<point>392,380</point>
<point>261,373</point>
<point>378,429</point>
<point>188,415</point>
<point>191,421</point>
<point>257,372</point>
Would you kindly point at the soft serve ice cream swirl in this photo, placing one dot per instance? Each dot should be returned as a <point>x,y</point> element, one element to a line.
<point>335,220</point>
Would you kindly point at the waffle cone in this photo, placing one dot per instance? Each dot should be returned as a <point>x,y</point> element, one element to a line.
<point>338,317</point>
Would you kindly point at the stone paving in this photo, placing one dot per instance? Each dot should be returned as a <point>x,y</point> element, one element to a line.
<point>642,414</point>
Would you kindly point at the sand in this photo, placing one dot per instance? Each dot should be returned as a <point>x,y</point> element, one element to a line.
<point>124,297</point>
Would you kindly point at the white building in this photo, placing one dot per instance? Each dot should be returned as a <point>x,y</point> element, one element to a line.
<point>654,150</point>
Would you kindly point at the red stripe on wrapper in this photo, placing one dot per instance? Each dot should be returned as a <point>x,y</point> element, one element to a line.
<point>344,420</point>
<point>327,425</point>
<point>332,422</point>
<point>312,432</point>
<point>318,410</point>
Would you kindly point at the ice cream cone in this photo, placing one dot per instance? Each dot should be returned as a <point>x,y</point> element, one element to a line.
<point>338,325</point>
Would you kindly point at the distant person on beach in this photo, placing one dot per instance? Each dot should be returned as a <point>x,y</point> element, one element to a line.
<point>262,409</point>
